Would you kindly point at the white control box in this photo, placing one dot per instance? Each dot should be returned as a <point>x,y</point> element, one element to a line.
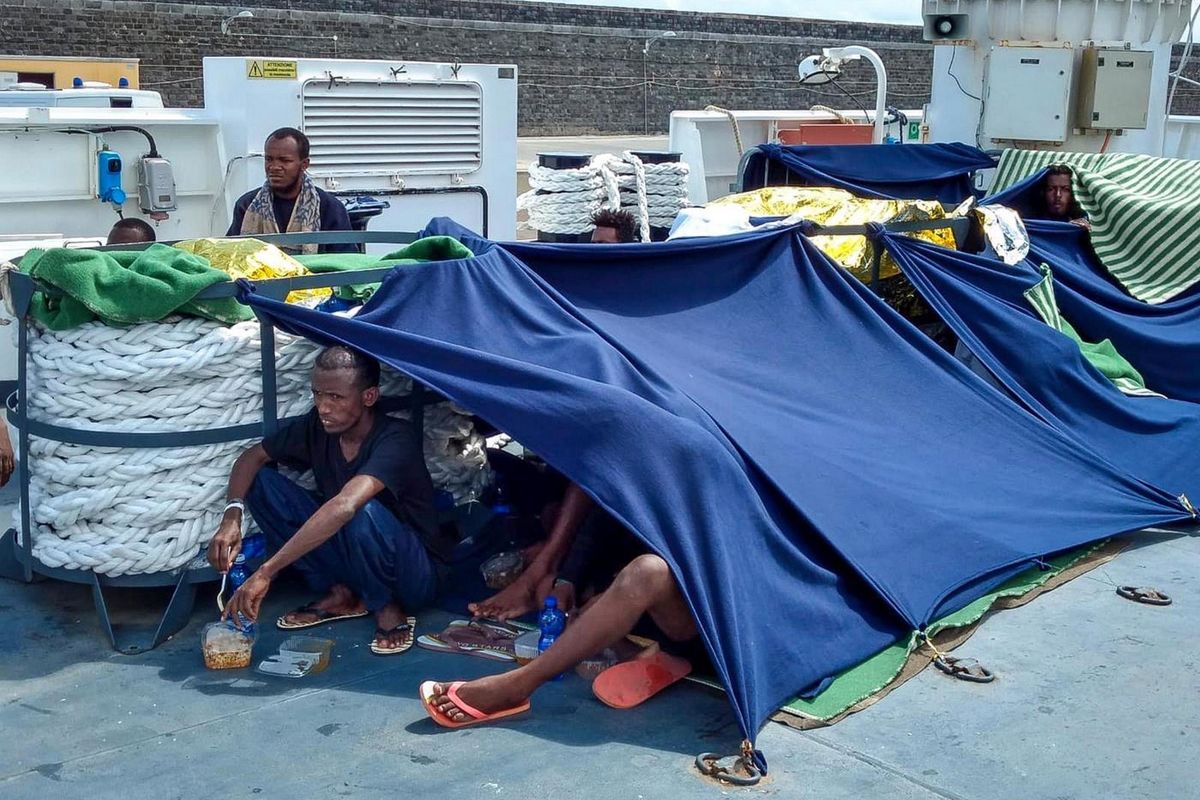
<point>1114,89</point>
<point>1028,94</point>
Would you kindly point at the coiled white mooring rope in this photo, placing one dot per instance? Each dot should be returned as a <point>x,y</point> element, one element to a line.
<point>568,198</point>
<point>120,511</point>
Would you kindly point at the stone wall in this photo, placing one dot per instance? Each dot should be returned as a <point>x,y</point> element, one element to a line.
<point>581,68</point>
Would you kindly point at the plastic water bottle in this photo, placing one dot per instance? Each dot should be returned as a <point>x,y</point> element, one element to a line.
<point>237,573</point>
<point>551,623</point>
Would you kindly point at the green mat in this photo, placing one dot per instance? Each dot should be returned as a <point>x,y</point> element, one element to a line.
<point>126,287</point>
<point>868,679</point>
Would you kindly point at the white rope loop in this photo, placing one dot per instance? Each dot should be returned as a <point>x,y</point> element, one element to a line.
<point>564,200</point>
<point>121,511</point>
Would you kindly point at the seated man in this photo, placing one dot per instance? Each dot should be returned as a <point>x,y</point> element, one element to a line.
<point>645,586</point>
<point>537,581</point>
<point>289,202</point>
<point>614,227</point>
<point>131,230</point>
<point>370,537</point>
<point>1056,200</point>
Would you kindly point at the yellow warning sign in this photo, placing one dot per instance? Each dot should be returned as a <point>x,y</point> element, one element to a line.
<point>259,68</point>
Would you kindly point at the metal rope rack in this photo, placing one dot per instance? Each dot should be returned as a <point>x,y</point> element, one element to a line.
<point>17,561</point>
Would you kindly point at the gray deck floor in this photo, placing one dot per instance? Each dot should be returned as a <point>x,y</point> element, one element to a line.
<point>1096,698</point>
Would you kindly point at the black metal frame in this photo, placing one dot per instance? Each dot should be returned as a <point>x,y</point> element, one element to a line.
<point>16,558</point>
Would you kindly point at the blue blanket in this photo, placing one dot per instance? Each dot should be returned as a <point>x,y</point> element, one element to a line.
<point>820,477</point>
<point>892,172</point>
<point>982,300</point>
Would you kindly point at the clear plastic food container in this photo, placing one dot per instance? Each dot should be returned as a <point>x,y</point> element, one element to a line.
<point>525,646</point>
<point>311,647</point>
<point>226,647</point>
<point>589,668</point>
<point>502,569</point>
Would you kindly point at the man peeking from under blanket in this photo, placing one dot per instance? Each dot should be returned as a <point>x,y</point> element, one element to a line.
<point>289,202</point>
<point>368,539</point>
<point>1057,200</point>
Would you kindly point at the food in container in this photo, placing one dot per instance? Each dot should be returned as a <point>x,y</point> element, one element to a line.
<point>502,569</point>
<point>225,646</point>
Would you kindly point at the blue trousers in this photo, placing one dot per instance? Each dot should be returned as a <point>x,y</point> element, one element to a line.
<point>379,557</point>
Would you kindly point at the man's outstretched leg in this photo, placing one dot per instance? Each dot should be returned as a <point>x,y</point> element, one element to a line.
<point>644,586</point>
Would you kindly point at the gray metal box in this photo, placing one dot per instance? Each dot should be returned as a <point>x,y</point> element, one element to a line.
<point>1114,88</point>
<point>156,184</point>
<point>1029,94</point>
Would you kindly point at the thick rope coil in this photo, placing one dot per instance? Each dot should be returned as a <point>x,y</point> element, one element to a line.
<point>564,200</point>
<point>133,510</point>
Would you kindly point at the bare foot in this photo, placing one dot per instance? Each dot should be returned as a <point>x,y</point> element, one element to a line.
<point>488,694</point>
<point>387,619</point>
<point>340,600</point>
<point>519,598</point>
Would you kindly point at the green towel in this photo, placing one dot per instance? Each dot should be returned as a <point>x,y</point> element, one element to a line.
<point>1102,355</point>
<point>430,248</point>
<point>121,287</point>
<point>1143,212</point>
<point>125,287</point>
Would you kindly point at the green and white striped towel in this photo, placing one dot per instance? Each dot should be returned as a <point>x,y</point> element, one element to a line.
<point>1143,212</point>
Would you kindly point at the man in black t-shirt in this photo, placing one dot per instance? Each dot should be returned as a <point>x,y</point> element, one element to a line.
<point>369,538</point>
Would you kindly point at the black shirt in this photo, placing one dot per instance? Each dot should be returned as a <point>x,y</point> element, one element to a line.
<point>334,217</point>
<point>391,452</point>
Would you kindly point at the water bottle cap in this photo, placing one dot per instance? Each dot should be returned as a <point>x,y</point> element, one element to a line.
<point>551,602</point>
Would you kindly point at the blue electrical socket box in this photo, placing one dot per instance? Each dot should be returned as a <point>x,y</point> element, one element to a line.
<point>109,184</point>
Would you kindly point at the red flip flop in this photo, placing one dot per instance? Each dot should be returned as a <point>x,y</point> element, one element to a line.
<point>477,716</point>
<point>631,683</point>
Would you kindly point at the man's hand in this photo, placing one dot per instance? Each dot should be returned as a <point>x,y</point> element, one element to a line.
<point>564,594</point>
<point>225,545</point>
<point>1083,222</point>
<point>247,600</point>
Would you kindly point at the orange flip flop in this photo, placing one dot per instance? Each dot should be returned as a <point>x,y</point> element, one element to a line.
<point>631,683</point>
<point>477,716</point>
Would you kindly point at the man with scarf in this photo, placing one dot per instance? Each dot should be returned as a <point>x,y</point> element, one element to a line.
<point>289,202</point>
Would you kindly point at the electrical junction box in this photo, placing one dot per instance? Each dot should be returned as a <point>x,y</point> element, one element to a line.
<point>156,185</point>
<point>1028,95</point>
<point>1114,88</point>
<point>108,178</point>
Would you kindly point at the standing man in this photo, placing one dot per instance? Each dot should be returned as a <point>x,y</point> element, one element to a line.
<point>369,538</point>
<point>289,202</point>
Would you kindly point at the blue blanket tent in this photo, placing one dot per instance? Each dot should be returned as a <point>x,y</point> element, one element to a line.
<point>892,172</point>
<point>1022,196</point>
<point>982,300</point>
<point>821,478</point>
